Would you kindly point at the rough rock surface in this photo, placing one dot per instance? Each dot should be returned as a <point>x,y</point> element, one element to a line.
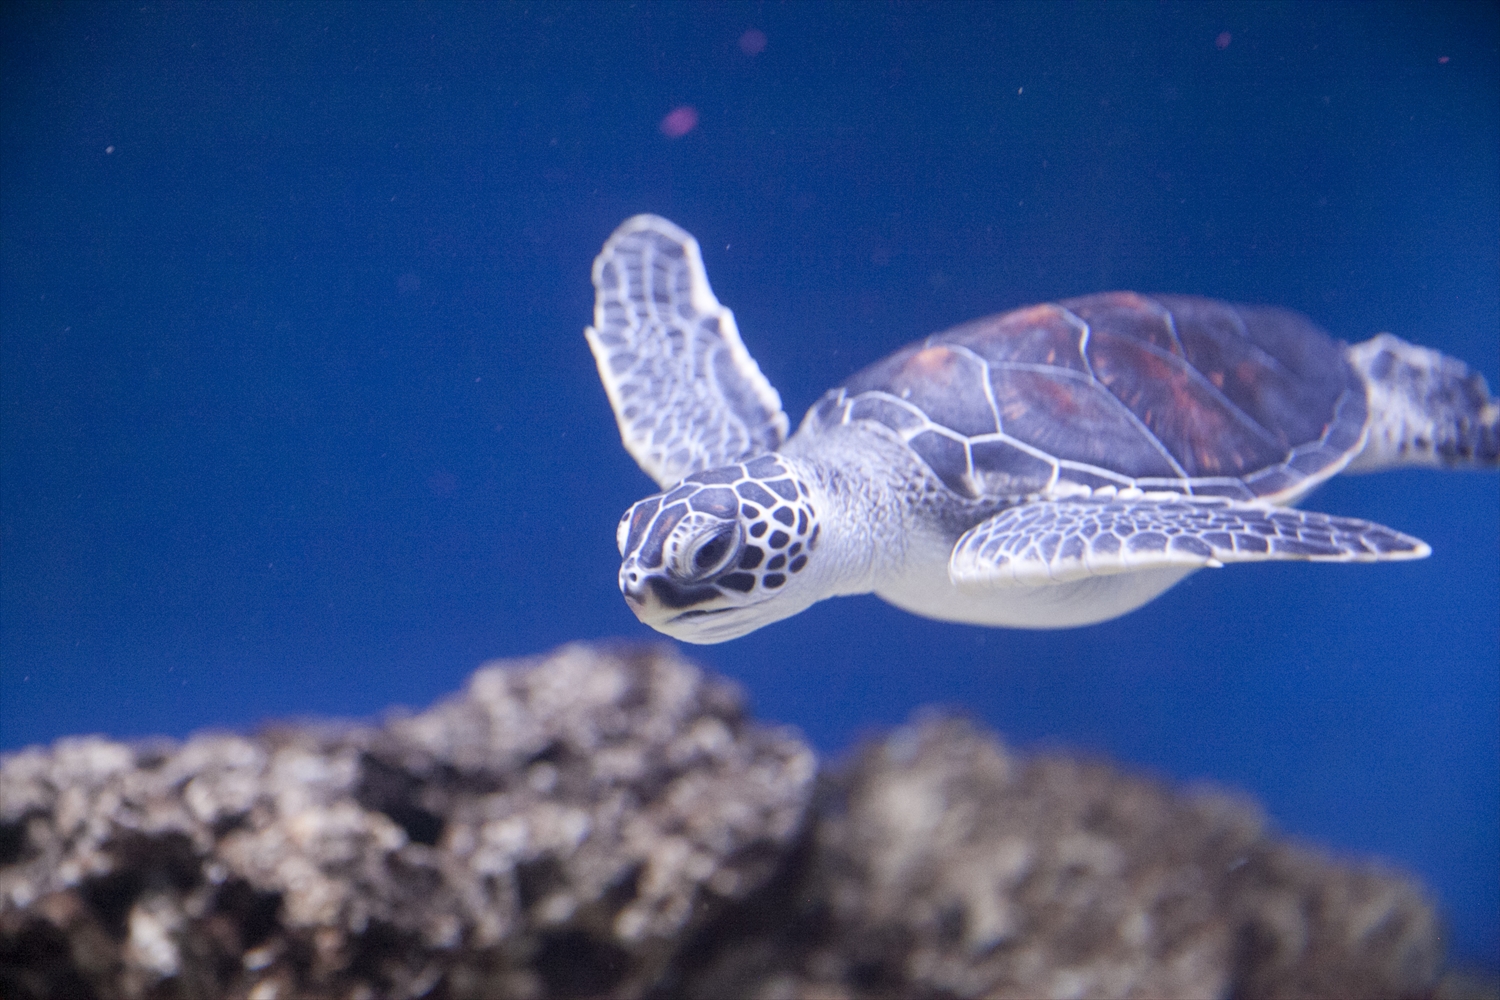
<point>942,866</point>
<point>606,822</point>
<point>555,831</point>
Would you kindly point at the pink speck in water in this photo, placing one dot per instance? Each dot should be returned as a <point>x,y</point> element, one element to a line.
<point>1442,60</point>
<point>753,42</point>
<point>1222,42</point>
<point>679,121</point>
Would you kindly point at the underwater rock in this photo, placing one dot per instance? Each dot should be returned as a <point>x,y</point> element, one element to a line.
<point>553,831</point>
<point>944,866</point>
<point>607,822</point>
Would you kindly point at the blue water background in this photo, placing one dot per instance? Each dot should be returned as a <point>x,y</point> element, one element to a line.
<point>297,415</point>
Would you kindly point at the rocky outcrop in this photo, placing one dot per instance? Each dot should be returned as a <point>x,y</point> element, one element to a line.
<point>607,822</point>
<point>943,866</point>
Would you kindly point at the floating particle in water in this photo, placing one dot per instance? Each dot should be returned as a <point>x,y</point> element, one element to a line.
<point>1442,60</point>
<point>1222,42</point>
<point>753,42</point>
<point>679,121</point>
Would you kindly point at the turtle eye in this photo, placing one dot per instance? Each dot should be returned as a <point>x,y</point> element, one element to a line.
<point>709,553</point>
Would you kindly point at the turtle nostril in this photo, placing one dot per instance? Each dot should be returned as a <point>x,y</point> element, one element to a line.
<point>631,586</point>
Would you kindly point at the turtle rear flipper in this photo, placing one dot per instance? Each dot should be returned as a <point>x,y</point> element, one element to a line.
<point>1057,541</point>
<point>1425,409</point>
<point>686,394</point>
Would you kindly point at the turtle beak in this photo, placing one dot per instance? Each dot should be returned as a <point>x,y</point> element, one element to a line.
<point>638,597</point>
<point>659,597</point>
<point>647,609</point>
<point>656,599</point>
<point>633,586</point>
<point>687,612</point>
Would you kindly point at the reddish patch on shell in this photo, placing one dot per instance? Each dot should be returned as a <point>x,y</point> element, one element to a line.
<point>930,360</point>
<point>1060,401</point>
<point>1032,315</point>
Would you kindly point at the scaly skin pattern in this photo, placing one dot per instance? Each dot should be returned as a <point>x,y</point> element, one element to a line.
<point>1063,540</point>
<point>734,548</point>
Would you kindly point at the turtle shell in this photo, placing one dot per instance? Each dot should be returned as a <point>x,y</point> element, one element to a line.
<point>1118,389</point>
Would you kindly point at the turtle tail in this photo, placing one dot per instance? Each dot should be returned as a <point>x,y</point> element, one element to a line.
<point>1425,409</point>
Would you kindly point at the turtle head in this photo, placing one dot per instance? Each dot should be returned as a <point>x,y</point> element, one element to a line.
<point>722,554</point>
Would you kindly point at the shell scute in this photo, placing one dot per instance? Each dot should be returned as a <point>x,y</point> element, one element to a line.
<point>1218,349</point>
<point>1077,419</point>
<point>1348,428</point>
<point>948,458</point>
<point>946,385</point>
<point>1275,365</point>
<point>1129,316</point>
<point>1037,335</point>
<point>1175,392</point>
<point>1309,461</point>
<point>1004,469</point>
<point>1277,479</point>
<point>1182,410</point>
<point>898,416</point>
<point>830,410</point>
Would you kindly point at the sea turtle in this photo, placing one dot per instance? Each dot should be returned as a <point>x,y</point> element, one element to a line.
<point>1054,466</point>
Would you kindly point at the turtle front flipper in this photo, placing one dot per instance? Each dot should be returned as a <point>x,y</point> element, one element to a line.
<point>1056,541</point>
<point>1425,408</point>
<point>686,394</point>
